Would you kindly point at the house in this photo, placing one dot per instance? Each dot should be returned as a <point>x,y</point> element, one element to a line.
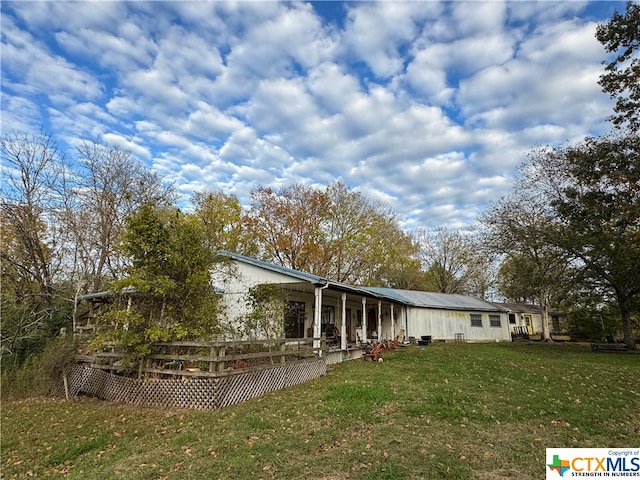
<point>527,319</point>
<point>450,316</point>
<point>318,306</point>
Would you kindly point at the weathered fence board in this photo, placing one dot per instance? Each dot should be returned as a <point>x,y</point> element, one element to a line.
<point>231,373</point>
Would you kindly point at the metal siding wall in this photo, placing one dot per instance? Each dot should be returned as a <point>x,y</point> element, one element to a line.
<point>444,324</point>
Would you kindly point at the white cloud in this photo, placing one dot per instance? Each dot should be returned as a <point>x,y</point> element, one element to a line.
<point>19,114</point>
<point>30,68</point>
<point>428,106</point>
<point>110,49</point>
<point>52,16</point>
<point>473,18</point>
<point>376,32</point>
<point>553,79</point>
<point>331,87</point>
<point>133,146</point>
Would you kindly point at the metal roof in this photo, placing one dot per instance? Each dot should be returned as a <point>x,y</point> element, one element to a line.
<point>105,295</point>
<point>526,308</point>
<point>96,295</point>
<point>446,301</point>
<point>297,274</point>
<point>307,277</point>
<point>406,297</point>
<point>521,308</point>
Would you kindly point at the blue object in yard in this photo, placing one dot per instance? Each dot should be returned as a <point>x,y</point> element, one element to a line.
<point>424,340</point>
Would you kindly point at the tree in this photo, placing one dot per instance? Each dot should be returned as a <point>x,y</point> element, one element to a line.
<point>364,242</point>
<point>519,280</point>
<point>30,178</point>
<point>335,232</point>
<point>103,187</point>
<point>221,215</point>
<point>266,307</point>
<point>518,228</point>
<point>621,36</point>
<point>287,224</point>
<point>597,203</point>
<point>454,262</point>
<point>168,282</point>
<point>31,256</point>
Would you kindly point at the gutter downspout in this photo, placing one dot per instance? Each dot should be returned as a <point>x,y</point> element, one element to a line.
<point>406,321</point>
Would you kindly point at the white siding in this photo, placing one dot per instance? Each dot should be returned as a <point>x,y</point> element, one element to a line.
<point>236,286</point>
<point>444,324</point>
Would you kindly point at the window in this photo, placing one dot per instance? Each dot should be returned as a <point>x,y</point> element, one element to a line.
<point>476,320</point>
<point>494,320</point>
<point>512,318</point>
<point>328,315</point>
<point>294,320</point>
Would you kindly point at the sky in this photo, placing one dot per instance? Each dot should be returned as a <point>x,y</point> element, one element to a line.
<point>427,106</point>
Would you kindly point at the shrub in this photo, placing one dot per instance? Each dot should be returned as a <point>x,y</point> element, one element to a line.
<point>33,377</point>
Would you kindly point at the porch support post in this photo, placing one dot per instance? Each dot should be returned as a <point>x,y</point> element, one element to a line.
<point>317,321</point>
<point>343,327</point>
<point>393,324</point>
<point>379,320</point>
<point>364,319</point>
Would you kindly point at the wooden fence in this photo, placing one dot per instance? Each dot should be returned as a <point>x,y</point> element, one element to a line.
<point>206,359</point>
<point>199,375</point>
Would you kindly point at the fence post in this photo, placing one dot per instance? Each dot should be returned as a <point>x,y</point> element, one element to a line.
<point>212,364</point>
<point>283,348</point>
<point>221,353</point>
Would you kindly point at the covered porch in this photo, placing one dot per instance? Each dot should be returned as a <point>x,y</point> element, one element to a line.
<point>343,315</point>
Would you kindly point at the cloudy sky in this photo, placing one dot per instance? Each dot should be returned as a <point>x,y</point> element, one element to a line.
<point>428,106</point>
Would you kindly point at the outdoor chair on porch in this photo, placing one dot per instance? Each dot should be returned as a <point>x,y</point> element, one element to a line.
<point>332,334</point>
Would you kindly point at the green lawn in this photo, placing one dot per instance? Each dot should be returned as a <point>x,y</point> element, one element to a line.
<point>454,411</point>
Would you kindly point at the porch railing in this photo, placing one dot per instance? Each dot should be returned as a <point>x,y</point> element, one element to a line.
<point>205,359</point>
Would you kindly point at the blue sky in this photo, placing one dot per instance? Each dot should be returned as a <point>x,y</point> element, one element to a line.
<point>427,106</point>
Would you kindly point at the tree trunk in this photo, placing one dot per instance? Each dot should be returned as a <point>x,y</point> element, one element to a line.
<point>544,306</point>
<point>625,317</point>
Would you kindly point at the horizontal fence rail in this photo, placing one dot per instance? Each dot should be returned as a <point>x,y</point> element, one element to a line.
<point>205,359</point>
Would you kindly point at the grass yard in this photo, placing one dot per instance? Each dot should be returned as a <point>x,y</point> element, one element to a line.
<point>454,411</point>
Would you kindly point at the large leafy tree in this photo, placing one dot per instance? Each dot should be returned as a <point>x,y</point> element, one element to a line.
<point>222,219</point>
<point>521,277</point>
<point>333,232</point>
<point>363,241</point>
<point>518,228</point>
<point>287,224</point>
<point>168,282</point>
<point>596,198</point>
<point>621,37</point>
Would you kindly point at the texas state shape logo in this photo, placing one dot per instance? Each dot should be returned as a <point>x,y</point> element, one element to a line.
<point>560,466</point>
